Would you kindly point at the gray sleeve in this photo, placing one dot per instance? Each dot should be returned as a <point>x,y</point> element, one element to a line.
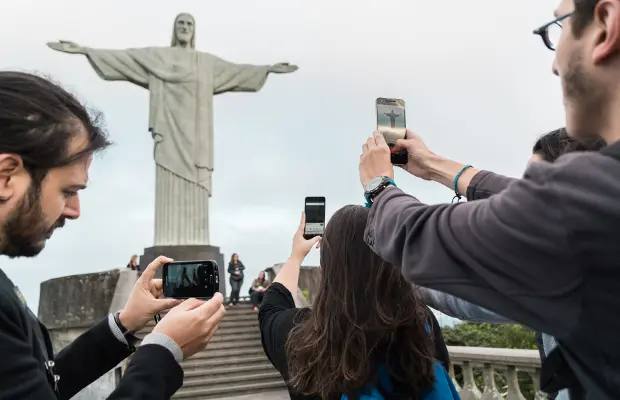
<point>486,183</point>
<point>164,341</point>
<point>458,308</point>
<point>509,253</point>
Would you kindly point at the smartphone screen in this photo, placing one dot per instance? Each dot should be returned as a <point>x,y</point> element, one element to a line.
<point>186,279</point>
<point>315,217</point>
<point>391,122</point>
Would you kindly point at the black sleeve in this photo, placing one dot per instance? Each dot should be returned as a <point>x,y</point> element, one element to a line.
<point>88,357</point>
<point>22,375</point>
<point>276,319</point>
<point>152,374</point>
<point>441,350</point>
<point>230,269</point>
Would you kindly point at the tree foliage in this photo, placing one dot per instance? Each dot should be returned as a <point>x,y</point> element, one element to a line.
<point>510,336</point>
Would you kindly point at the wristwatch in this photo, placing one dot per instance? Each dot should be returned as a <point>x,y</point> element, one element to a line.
<point>132,340</point>
<point>375,187</point>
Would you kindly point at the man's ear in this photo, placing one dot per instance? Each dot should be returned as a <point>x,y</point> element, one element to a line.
<point>607,19</point>
<point>10,166</point>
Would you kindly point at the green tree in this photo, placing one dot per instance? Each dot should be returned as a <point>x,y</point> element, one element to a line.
<point>510,336</point>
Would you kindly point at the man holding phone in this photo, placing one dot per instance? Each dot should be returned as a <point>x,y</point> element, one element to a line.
<point>46,147</point>
<point>561,220</point>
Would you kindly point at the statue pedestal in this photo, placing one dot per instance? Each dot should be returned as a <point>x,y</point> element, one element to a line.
<point>187,253</point>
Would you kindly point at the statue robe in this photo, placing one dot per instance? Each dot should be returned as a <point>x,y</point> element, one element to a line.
<point>181,83</point>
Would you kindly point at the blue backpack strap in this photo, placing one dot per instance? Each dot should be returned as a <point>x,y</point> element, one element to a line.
<point>443,387</point>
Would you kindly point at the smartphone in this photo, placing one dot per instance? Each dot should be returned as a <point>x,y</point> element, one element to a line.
<point>391,122</point>
<point>186,279</point>
<point>315,217</point>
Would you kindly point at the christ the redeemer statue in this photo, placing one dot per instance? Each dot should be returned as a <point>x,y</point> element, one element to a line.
<point>392,115</point>
<point>181,82</point>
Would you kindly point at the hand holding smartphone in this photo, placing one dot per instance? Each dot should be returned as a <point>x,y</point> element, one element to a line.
<point>187,279</point>
<point>391,123</point>
<point>314,209</point>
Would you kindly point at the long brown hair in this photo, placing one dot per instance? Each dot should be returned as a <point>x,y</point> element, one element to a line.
<point>365,314</point>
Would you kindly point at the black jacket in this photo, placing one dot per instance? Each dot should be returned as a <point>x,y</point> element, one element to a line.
<point>152,374</point>
<point>231,270</point>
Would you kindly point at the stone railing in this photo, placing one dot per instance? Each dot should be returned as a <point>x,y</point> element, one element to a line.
<point>493,363</point>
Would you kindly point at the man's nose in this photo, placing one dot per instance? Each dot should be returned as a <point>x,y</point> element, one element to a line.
<point>554,68</point>
<point>72,208</point>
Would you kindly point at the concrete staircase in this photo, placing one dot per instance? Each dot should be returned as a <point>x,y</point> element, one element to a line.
<point>233,363</point>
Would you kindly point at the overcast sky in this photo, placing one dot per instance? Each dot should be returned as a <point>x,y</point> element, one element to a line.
<point>477,84</point>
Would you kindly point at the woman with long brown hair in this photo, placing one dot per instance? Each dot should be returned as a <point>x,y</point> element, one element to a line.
<point>367,334</point>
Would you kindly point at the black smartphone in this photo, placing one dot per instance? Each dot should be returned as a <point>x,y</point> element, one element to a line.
<point>315,217</point>
<point>391,122</point>
<point>186,279</point>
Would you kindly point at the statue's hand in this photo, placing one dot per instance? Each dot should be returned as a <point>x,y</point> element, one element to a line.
<point>66,47</point>
<point>283,68</point>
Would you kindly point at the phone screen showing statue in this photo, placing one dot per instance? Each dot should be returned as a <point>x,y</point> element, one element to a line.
<point>391,122</point>
<point>315,217</point>
<point>198,279</point>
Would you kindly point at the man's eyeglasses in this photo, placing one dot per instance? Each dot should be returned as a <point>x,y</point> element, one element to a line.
<point>551,31</point>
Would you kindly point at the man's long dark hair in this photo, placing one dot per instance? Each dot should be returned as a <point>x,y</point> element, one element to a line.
<point>365,314</point>
<point>38,119</point>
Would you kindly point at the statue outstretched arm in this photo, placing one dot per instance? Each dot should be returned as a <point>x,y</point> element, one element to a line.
<point>66,47</point>
<point>231,77</point>
<point>283,68</point>
<point>111,65</point>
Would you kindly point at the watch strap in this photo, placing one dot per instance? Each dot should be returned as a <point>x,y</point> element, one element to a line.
<point>370,195</point>
<point>132,340</point>
<point>120,325</point>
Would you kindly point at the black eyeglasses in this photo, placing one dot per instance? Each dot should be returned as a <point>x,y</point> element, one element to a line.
<point>551,31</point>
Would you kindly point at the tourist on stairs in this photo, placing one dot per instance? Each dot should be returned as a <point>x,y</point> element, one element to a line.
<point>258,289</point>
<point>235,269</point>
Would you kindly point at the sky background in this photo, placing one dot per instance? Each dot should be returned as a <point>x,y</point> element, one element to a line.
<point>476,81</point>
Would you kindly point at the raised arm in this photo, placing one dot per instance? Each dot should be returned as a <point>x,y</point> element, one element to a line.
<point>473,183</point>
<point>230,77</point>
<point>113,65</point>
<point>509,253</point>
<point>458,308</point>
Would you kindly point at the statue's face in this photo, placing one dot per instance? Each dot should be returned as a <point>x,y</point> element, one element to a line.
<point>184,28</point>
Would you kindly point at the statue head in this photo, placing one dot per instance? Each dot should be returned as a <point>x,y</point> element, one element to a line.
<point>184,31</point>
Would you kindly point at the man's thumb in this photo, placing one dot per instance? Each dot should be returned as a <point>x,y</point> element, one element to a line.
<point>401,144</point>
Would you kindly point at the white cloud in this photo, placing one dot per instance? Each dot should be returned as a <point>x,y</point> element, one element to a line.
<point>477,84</point>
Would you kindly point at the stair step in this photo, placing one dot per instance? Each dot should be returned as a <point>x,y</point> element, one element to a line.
<point>233,344</point>
<point>238,324</point>
<point>257,377</point>
<point>219,354</point>
<point>228,390</point>
<point>231,372</point>
<point>198,363</point>
<point>235,330</point>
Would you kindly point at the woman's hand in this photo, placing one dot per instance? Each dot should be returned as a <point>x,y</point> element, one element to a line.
<point>301,246</point>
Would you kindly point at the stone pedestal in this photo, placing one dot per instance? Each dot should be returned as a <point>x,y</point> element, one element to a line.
<point>187,253</point>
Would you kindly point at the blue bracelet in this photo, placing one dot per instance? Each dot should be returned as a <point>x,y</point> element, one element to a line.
<point>456,180</point>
